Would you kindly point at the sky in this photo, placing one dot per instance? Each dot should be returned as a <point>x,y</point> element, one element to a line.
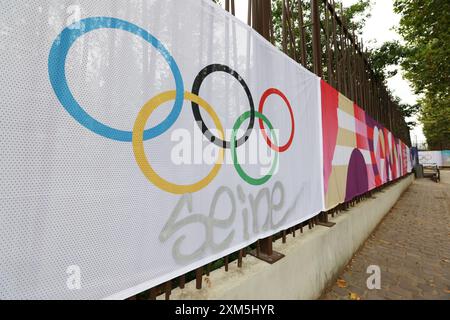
<point>379,28</point>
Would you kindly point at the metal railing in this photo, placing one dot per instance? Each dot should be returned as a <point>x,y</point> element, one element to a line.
<point>323,42</point>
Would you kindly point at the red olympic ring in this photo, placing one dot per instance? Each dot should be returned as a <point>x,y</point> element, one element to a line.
<point>264,97</point>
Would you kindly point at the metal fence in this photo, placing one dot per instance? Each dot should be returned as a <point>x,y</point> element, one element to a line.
<point>322,42</point>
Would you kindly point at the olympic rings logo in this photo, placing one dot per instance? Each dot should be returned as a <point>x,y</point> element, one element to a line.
<point>56,68</point>
<point>425,157</point>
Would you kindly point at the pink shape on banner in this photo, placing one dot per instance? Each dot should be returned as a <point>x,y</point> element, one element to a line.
<point>330,100</point>
<point>370,176</point>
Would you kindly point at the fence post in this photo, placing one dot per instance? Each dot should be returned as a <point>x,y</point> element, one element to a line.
<point>265,250</point>
<point>317,56</point>
<point>301,26</point>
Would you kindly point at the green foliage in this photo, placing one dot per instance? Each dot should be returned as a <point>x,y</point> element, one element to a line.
<point>435,117</point>
<point>357,14</point>
<point>407,110</point>
<point>391,53</point>
<point>425,27</point>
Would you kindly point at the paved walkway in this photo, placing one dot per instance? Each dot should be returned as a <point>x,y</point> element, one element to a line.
<point>411,246</point>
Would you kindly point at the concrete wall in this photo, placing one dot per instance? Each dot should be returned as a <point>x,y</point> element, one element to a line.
<point>313,259</point>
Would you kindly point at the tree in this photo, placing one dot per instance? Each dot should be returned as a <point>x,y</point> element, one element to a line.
<point>435,117</point>
<point>357,14</point>
<point>425,27</point>
<point>391,53</point>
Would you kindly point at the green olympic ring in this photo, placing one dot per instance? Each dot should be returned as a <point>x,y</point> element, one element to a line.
<point>240,171</point>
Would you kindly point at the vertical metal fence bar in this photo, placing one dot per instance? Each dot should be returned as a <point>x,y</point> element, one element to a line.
<point>284,27</point>
<point>291,31</point>
<point>327,36</point>
<point>264,246</point>
<point>226,263</point>
<point>301,27</point>
<point>335,46</point>
<point>198,277</point>
<point>168,289</point>
<point>271,35</point>
<point>317,52</point>
<point>182,281</point>
<point>249,12</point>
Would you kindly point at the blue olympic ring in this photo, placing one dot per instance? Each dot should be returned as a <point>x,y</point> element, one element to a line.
<point>56,70</point>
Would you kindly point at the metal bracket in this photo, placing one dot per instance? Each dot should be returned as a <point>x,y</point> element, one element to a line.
<point>323,220</point>
<point>328,224</point>
<point>265,252</point>
<point>274,257</point>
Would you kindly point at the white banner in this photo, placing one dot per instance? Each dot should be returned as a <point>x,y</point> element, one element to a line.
<point>430,158</point>
<point>108,186</point>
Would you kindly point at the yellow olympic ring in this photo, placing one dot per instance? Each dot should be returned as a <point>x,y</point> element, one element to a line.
<point>138,144</point>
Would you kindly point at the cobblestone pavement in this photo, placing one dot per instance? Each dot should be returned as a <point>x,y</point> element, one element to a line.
<point>411,246</point>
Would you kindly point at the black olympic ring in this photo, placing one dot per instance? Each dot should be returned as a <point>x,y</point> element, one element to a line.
<point>198,117</point>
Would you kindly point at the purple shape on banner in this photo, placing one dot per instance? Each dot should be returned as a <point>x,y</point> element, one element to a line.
<point>357,181</point>
<point>388,165</point>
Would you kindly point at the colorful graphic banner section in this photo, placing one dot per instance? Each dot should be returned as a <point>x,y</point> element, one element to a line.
<point>137,144</point>
<point>359,154</point>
